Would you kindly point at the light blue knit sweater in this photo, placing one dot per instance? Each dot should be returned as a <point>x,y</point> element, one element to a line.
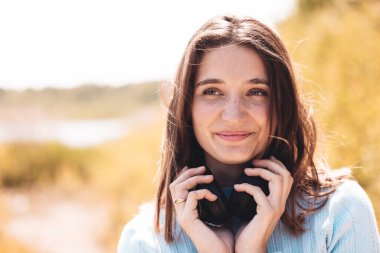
<point>345,224</point>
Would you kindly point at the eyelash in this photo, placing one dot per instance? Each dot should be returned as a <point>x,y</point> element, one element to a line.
<point>213,91</point>
<point>210,91</point>
<point>262,92</point>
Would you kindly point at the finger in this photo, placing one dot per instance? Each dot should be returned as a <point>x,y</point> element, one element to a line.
<point>288,179</point>
<point>192,182</point>
<point>181,171</point>
<point>255,192</point>
<point>189,172</point>
<point>174,182</point>
<point>276,184</point>
<point>178,207</point>
<point>264,173</point>
<point>193,198</point>
<point>288,176</point>
<point>274,159</point>
<point>180,187</point>
<point>181,190</point>
<point>272,166</point>
<point>185,174</point>
<point>284,182</point>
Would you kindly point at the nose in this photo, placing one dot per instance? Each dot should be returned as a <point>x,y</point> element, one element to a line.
<point>234,110</point>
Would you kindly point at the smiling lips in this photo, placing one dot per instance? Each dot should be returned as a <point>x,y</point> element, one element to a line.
<point>233,135</point>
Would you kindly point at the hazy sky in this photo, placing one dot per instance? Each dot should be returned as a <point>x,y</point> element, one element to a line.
<point>65,43</point>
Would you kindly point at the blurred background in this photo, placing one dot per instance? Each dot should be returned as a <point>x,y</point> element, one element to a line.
<point>81,119</point>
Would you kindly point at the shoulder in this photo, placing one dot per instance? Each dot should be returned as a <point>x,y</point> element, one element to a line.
<point>345,223</point>
<point>349,197</point>
<point>346,204</point>
<point>138,234</point>
<point>348,219</point>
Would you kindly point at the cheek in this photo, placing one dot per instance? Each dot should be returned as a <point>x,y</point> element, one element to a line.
<point>203,115</point>
<point>261,115</point>
<point>203,110</point>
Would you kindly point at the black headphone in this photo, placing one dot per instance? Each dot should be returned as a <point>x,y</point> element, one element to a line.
<point>240,204</point>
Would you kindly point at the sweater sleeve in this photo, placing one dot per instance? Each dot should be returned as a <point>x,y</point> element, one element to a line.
<point>351,226</point>
<point>134,241</point>
<point>138,235</point>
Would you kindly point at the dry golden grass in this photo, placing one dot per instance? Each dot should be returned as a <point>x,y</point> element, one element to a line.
<point>124,170</point>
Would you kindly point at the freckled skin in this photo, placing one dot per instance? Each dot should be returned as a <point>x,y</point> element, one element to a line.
<point>231,114</point>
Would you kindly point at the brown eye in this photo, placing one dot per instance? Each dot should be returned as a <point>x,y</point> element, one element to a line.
<point>257,92</point>
<point>211,91</point>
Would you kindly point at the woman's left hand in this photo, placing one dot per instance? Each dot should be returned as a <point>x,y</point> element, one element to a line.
<point>254,236</point>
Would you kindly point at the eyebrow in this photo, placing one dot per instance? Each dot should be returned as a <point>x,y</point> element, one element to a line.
<point>218,81</point>
<point>210,81</point>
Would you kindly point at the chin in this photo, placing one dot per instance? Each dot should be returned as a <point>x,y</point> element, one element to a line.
<point>234,161</point>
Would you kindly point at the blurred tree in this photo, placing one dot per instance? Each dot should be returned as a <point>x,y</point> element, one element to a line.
<point>338,45</point>
<point>308,6</point>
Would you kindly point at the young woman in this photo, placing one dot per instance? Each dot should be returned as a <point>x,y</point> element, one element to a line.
<point>236,111</point>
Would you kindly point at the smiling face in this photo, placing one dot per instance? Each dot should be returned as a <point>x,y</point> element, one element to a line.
<point>230,110</point>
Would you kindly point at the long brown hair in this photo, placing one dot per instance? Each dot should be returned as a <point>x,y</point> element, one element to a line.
<point>295,132</point>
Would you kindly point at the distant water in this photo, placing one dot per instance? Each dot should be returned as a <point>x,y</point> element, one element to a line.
<point>73,133</point>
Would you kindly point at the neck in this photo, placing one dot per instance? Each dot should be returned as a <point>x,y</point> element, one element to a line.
<point>226,174</point>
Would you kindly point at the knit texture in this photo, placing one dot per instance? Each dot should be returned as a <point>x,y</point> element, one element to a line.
<point>345,224</point>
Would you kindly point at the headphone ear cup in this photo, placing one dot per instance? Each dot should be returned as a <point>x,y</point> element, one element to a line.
<point>214,213</point>
<point>243,204</point>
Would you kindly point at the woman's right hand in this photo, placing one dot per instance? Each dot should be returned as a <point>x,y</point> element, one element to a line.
<point>185,200</point>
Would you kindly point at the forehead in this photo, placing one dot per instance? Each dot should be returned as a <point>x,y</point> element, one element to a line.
<point>231,61</point>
